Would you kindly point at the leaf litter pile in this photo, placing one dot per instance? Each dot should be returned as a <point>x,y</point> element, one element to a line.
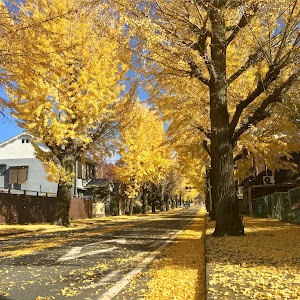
<point>263,264</point>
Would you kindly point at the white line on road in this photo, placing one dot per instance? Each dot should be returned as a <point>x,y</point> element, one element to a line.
<point>5,257</point>
<point>71,254</point>
<point>120,285</point>
<point>67,257</point>
<point>105,280</point>
<point>118,241</point>
<point>155,244</point>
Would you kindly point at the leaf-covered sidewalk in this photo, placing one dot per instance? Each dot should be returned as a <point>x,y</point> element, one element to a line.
<point>264,264</point>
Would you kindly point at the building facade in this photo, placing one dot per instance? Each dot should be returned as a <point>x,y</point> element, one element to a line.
<point>21,171</point>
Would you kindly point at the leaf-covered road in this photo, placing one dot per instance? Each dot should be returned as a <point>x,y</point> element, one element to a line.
<point>89,265</point>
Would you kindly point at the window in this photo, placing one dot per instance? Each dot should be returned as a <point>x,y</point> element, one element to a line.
<point>25,141</point>
<point>2,169</point>
<point>18,174</point>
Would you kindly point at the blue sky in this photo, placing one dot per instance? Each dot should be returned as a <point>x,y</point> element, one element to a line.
<point>8,126</point>
<point>8,129</point>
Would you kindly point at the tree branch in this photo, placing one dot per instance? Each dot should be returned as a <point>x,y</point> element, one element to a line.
<point>244,21</point>
<point>206,148</point>
<point>201,129</point>
<point>220,3</point>
<point>196,73</point>
<point>262,85</point>
<point>285,35</point>
<point>261,113</point>
<point>242,154</point>
<point>256,57</point>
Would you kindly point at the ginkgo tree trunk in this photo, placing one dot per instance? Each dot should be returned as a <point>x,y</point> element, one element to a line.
<point>65,88</point>
<point>221,146</point>
<point>216,69</point>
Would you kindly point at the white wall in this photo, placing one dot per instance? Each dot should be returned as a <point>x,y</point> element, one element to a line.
<point>14,153</point>
<point>36,177</point>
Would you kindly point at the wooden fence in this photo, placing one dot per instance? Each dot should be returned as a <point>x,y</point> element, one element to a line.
<point>23,209</point>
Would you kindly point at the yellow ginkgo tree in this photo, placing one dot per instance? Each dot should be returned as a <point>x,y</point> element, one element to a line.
<point>218,70</point>
<point>144,157</point>
<point>65,87</point>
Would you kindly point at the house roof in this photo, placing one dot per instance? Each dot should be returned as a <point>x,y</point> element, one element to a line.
<point>24,133</point>
<point>16,137</point>
<point>104,182</point>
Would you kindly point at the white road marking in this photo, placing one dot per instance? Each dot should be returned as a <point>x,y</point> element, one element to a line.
<point>5,257</point>
<point>120,285</point>
<point>155,244</point>
<point>70,255</point>
<point>64,258</point>
<point>118,241</point>
<point>105,280</point>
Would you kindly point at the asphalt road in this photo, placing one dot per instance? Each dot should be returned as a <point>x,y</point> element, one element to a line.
<point>96,266</point>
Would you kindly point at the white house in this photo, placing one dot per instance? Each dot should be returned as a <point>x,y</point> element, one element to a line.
<point>21,171</point>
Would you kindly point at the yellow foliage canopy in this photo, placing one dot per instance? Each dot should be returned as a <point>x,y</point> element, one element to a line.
<point>261,64</point>
<point>143,154</point>
<point>66,74</point>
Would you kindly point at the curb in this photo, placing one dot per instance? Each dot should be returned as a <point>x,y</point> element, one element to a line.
<point>206,273</point>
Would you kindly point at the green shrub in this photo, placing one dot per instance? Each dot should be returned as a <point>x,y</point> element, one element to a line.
<point>137,209</point>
